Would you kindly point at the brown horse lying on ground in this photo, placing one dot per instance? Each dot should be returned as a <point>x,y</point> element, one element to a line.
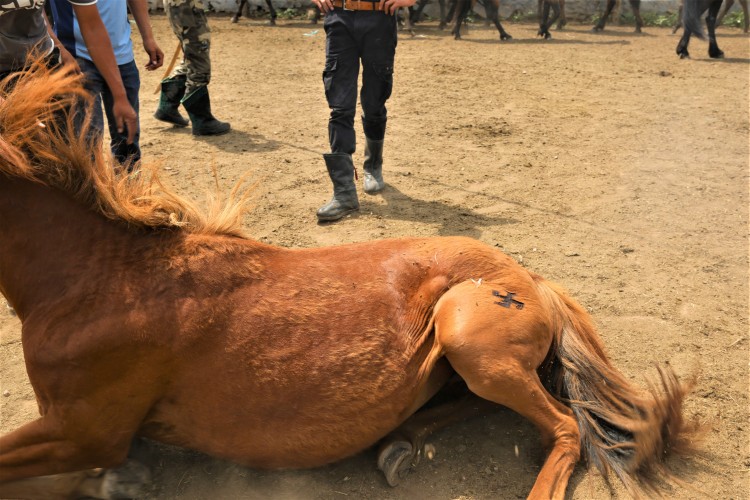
<point>144,317</point>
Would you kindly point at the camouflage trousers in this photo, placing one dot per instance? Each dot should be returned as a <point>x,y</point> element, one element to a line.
<point>191,27</point>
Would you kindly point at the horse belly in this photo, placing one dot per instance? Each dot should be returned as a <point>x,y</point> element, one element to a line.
<point>278,427</point>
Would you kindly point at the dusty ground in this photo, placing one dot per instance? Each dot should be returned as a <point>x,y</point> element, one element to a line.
<point>601,161</point>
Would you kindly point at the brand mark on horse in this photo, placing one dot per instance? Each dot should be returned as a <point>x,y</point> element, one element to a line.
<point>508,300</point>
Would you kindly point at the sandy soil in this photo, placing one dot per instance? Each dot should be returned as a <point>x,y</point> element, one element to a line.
<point>600,161</point>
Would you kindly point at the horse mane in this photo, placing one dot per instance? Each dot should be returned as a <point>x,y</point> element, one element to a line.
<point>39,143</point>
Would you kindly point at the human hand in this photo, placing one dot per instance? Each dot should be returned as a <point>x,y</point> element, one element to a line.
<point>67,60</point>
<point>155,55</point>
<point>325,6</point>
<point>391,6</point>
<point>125,117</point>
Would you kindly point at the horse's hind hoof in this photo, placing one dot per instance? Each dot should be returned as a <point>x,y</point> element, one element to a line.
<point>597,28</point>
<point>395,461</point>
<point>505,36</point>
<point>235,19</point>
<point>719,54</point>
<point>127,481</point>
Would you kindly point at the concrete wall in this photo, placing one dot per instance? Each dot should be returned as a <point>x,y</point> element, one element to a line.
<point>575,9</point>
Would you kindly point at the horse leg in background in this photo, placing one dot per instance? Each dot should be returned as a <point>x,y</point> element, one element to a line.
<point>728,5</point>
<point>316,15</point>
<point>272,11</point>
<point>40,460</point>
<point>462,10</point>
<point>543,18</point>
<point>405,14</point>
<point>493,7</point>
<point>678,23</point>
<point>402,450</point>
<point>563,20</point>
<point>603,20</point>
<point>444,20</point>
<point>238,15</point>
<point>636,6</point>
<point>713,48</point>
<point>417,13</point>
<point>682,45</point>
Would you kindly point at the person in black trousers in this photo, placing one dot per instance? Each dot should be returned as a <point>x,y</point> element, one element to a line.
<point>357,30</point>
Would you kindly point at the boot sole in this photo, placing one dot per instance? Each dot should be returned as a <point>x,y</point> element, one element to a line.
<point>164,119</point>
<point>212,133</point>
<point>330,218</point>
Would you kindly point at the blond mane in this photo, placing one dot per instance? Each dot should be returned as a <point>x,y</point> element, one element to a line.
<point>39,143</point>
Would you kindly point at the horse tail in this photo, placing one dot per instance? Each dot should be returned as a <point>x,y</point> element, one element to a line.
<point>624,430</point>
<point>691,17</point>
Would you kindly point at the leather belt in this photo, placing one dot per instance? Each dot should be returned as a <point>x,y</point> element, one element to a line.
<point>356,4</point>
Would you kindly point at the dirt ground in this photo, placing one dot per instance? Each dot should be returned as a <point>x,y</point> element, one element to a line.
<point>600,161</point>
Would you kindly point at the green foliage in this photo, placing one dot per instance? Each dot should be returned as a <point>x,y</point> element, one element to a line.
<point>290,13</point>
<point>520,16</point>
<point>734,19</point>
<point>664,20</point>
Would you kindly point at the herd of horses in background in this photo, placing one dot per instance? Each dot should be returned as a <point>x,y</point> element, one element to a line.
<point>551,11</point>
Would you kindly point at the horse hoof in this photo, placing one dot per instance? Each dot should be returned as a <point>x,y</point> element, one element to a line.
<point>235,19</point>
<point>683,55</point>
<point>716,55</point>
<point>395,461</point>
<point>127,481</point>
<point>505,36</point>
<point>597,28</point>
<point>272,22</point>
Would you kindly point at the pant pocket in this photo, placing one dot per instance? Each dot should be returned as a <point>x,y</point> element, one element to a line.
<point>328,73</point>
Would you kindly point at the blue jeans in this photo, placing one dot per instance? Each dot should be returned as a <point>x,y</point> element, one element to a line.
<point>98,88</point>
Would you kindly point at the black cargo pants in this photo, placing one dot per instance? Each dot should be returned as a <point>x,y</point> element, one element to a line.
<point>351,36</point>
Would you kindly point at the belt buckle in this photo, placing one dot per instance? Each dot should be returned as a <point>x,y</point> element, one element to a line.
<point>343,6</point>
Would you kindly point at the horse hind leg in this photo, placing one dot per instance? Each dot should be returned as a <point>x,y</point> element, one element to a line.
<point>403,449</point>
<point>272,12</point>
<point>636,6</point>
<point>496,338</point>
<point>713,48</point>
<point>603,20</point>
<point>238,14</point>
<point>493,8</point>
<point>544,22</point>
<point>563,20</point>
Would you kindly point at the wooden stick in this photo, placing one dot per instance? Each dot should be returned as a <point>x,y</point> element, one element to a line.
<point>172,63</point>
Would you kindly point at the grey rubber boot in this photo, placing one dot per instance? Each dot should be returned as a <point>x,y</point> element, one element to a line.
<point>172,91</point>
<point>373,166</point>
<point>341,170</point>
<point>198,106</point>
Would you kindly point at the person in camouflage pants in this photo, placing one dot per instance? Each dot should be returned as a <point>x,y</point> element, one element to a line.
<point>188,83</point>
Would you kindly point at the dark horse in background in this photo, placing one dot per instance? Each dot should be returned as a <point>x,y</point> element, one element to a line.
<point>271,11</point>
<point>545,21</point>
<point>691,21</point>
<point>462,9</point>
<point>634,4</point>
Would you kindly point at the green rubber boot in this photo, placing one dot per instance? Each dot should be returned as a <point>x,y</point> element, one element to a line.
<point>172,91</point>
<point>198,106</point>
